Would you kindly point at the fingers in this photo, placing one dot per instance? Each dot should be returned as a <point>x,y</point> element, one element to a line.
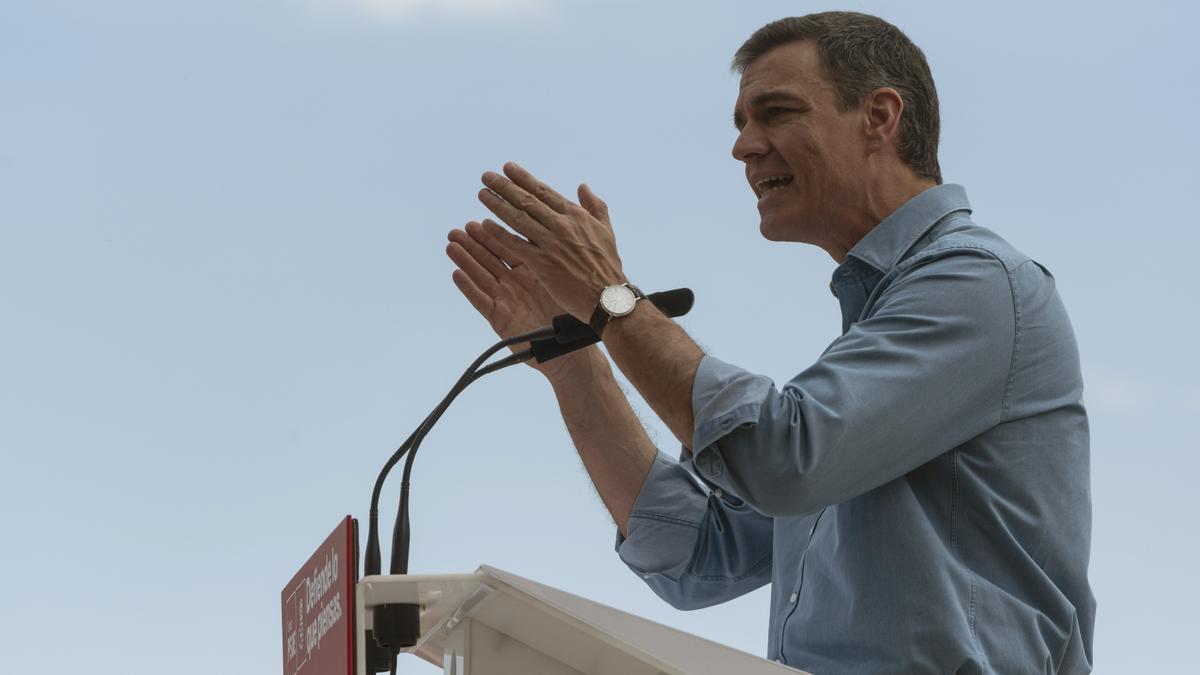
<point>482,302</point>
<point>489,243</point>
<point>488,250</point>
<point>593,204</point>
<point>479,276</point>
<point>483,277</point>
<point>514,206</point>
<point>473,257</point>
<point>507,246</point>
<point>544,193</point>
<point>529,207</point>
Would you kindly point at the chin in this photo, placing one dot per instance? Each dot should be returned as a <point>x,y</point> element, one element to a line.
<point>768,232</point>
<point>775,229</point>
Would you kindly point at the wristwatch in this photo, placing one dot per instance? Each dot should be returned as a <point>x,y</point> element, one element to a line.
<point>615,301</point>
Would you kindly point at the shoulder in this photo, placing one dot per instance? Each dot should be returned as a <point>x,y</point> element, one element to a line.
<point>1011,293</point>
<point>959,276</point>
<point>960,237</point>
<point>975,257</point>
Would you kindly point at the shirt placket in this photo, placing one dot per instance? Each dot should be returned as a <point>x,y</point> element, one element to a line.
<point>794,598</point>
<point>852,284</point>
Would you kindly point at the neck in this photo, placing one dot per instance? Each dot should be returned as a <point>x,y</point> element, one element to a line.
<point>877,199</point>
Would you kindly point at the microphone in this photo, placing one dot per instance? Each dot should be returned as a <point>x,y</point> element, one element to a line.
<point>566,334</point>
<point>571,334</point>
<point>397,624</point>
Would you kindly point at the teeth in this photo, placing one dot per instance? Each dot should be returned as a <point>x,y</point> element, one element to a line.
<point>768,185</point>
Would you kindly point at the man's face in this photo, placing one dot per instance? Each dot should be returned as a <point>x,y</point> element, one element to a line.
<point>802,156</point>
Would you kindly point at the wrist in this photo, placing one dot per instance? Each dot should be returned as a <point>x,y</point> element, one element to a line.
<point>576,366</point>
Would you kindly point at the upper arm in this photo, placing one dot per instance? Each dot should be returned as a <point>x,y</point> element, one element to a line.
<point>924,372</point>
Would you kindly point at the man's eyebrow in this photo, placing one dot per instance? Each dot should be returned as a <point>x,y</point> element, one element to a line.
<point>765,98</point>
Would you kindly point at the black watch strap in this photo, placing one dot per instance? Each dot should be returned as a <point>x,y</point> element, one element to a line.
<point>600,316</point>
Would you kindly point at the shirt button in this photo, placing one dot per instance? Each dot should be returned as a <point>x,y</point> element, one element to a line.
<point>714,466</point>
<point>718,493</point>
<point>792,599</point>
<point>710,464</point>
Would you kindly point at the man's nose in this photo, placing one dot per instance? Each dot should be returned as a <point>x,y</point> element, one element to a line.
<point>749,144</point>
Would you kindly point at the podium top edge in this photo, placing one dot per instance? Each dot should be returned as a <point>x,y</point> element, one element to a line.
<point>392,578</point>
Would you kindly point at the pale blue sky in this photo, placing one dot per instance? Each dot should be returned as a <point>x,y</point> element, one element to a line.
<point>224,296</point>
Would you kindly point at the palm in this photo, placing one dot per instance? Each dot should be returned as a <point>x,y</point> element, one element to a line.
<point>510,298</point>
<point>520,304</point>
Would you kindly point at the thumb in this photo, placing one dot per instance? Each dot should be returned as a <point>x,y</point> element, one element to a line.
<point>593,204</point>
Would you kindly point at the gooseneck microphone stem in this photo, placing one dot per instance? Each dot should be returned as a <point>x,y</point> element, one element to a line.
<point>396,626</point>
<point>400,532</point>
<point>567,334</point>
<point>372,559</point>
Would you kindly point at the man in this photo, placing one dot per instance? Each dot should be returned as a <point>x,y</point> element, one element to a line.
<point>918,497</point>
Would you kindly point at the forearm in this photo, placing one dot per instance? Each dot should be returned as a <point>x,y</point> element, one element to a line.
<point>615,449</point>
<point>660,360</point>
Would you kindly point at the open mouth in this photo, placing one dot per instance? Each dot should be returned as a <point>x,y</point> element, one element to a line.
<point>770,185</point>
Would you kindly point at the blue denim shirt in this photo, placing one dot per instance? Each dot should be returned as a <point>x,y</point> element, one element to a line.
<point>919,497</point>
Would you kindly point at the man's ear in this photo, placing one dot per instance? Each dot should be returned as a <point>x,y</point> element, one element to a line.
<point>883,108</point>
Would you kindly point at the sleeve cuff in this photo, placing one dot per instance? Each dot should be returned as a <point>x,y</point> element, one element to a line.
<point>665,521</point>
<point>724,398</point>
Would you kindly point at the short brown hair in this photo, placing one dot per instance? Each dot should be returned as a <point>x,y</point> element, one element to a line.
<point>859,54</point>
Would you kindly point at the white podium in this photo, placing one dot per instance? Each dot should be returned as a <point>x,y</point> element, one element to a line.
<point>495,623</point>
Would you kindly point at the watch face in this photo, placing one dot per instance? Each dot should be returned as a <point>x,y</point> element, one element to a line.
<point>617,300</point>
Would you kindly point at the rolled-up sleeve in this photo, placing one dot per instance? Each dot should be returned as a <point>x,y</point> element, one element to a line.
<point>692,546</point>
<point>925,371</point>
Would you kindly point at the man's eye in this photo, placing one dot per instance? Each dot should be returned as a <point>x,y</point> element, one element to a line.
<point>774,112</point>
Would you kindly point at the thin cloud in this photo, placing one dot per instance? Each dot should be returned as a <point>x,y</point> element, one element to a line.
<point>403,9</point>
<point>1126,394</point>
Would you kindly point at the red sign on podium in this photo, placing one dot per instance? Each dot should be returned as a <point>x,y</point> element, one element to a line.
<point>318,608</point>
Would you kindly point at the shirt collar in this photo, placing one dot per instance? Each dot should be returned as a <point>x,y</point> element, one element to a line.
<point>887,243</point>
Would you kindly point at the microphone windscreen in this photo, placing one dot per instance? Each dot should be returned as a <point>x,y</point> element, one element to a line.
<point>544,350</point>
<point>673,303</point>
<point>569,329</point>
